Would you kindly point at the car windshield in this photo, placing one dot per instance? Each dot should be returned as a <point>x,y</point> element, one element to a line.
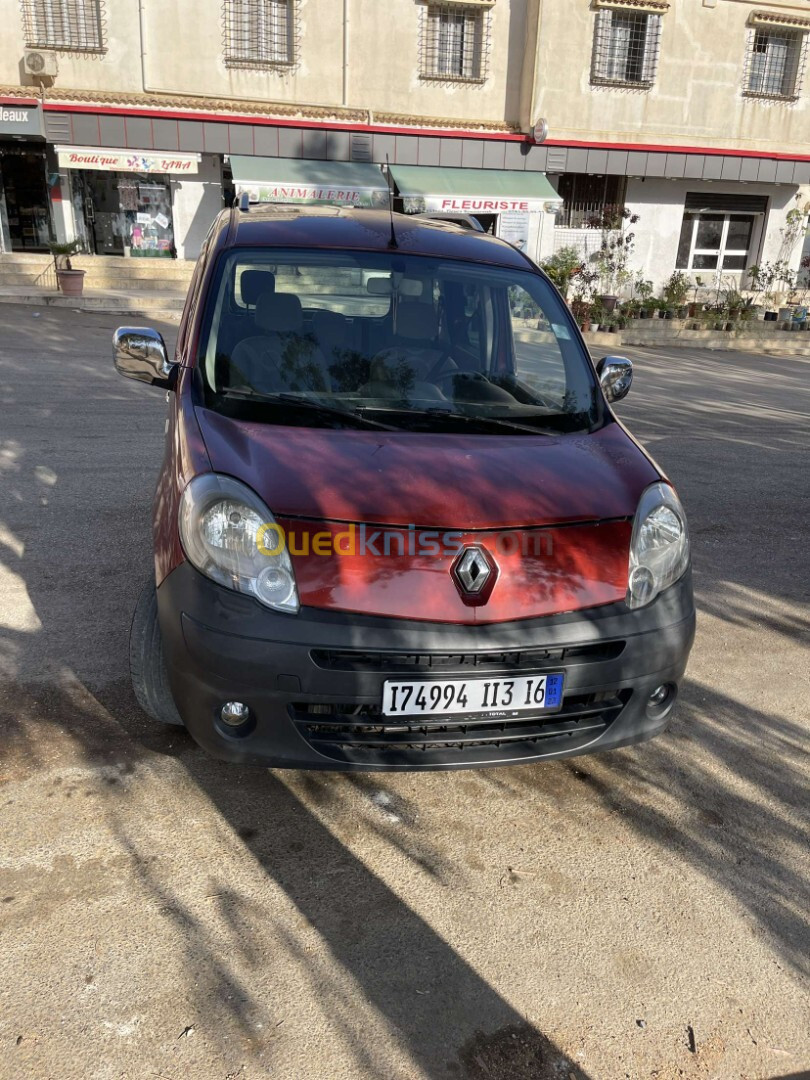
<point>391,340</point>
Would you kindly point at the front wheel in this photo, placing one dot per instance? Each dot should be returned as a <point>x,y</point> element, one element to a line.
<point>147,664</point>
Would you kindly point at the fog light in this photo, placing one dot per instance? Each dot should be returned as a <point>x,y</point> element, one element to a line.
<point>234,713</point>
<point>659,696</point>
<point>642,586</point>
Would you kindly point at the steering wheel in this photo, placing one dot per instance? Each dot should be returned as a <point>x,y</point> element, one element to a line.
<point>435,374</point>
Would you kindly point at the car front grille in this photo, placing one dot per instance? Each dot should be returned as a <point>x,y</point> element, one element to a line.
<point>397,662</point>
<point>361,734</point>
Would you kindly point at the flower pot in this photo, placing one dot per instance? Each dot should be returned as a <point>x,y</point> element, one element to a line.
<point>595,328</point>
<point>644,314</point>
<point>71,282</point>
<point>585,327</point>
<point>609,302</point>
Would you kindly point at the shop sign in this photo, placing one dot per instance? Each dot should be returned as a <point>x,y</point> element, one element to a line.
<point>471,204</point>
<point>16,119</point>
<point>96,158</point>
<point>308,194</point>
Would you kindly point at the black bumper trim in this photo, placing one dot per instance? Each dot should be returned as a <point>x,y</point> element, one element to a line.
<point>223,646</point>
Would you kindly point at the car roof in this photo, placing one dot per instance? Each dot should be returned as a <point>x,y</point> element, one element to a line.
<point>338,228</point>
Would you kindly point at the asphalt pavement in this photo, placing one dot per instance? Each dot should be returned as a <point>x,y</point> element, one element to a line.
<point>643,913</point>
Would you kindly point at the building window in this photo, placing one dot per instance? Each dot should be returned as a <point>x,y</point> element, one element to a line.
<point>625,48</point>
<point>259,33</point>
<point>775,62</point>
<point>67,25</point>
<point>588,200</point>
<point>719,242</point>
<point>454,42</point>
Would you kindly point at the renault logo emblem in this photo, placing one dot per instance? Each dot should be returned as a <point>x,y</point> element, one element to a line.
<point>474,573</point>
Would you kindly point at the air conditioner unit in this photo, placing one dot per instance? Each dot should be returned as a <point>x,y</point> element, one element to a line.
<point>39,63</point>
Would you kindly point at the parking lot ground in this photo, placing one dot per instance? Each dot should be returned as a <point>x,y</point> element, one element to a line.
<point>638,914</point>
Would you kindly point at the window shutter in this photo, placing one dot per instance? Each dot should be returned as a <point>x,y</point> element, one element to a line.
<point>708,201</point>
<point>602,44</point>
<point>652,38</point>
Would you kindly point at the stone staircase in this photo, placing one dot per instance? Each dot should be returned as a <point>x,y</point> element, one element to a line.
<point>111,284</point>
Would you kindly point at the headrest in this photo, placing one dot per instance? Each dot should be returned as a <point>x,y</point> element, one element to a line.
<point>417,322</point>
<point>279,312</point>
<point>255,282</point>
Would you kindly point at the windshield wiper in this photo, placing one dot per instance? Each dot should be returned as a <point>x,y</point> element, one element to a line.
<point>465,418</point>
<point>352,415</point>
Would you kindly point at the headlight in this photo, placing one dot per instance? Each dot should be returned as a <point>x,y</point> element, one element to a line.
<point>230,536</point>
<point>659,550</point>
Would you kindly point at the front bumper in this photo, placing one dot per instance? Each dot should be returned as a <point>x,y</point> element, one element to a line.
<point>313,681</point>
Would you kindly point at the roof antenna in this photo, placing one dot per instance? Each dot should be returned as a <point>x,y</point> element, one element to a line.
<point>392,243</point>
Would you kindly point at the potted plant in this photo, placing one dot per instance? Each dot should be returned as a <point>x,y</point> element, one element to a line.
<point>582,306</point>
<point>694,306</point>
<point>616,247</point>
<point>764,279</point>
<point>70,281</point>
<point>562,267</point>
<point>597,316</point>
<point>675,293</point>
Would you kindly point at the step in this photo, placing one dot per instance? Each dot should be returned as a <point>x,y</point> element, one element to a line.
<point>47,280</point>
<point>169,270</point>
<point>147,304</point>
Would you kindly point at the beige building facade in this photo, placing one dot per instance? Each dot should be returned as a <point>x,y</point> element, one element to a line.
<point>129,124</point>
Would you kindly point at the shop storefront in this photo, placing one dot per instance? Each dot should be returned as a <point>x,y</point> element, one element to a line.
<point>122,199</point>
<point>515,206</point>
<point>302,182</point>
<point>24,178</point>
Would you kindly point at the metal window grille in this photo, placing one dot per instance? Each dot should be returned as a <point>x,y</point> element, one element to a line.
<point>625,48</point>
<point>587,199</point>
<point>454,42</point>
<point>775,61</point>
<point>259,33</point>
<point>68,25</point>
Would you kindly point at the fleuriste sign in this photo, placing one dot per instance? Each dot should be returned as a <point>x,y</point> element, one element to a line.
<point>134,161</point>
<point>482,204</point>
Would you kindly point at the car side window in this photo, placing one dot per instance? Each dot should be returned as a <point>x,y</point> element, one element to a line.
<point>538,345</point>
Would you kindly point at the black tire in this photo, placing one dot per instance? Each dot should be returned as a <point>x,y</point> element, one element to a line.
<point>147,665</point>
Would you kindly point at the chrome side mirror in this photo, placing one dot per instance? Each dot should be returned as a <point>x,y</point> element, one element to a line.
<point>615,376</point>
<point>140,353</point>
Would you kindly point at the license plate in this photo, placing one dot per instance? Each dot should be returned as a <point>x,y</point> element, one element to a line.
<point>453,697</point>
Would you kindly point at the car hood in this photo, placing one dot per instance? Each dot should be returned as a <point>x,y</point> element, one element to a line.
<point>458,481</point>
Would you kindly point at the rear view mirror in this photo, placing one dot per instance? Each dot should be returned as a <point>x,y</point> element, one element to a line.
<point>616,376</point>
<point>140,353</point>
